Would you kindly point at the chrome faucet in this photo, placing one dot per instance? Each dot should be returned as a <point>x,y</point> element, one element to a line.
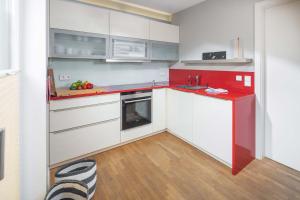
<point>197,80</point>
<point>190,80</point>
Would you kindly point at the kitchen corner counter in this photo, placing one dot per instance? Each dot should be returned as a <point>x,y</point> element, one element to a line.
<point>235,114</point>
<point>143,86</point>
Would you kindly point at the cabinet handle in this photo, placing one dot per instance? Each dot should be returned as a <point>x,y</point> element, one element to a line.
<point>2,149</point>
<point>83,126</point>
<point>87,106</point>
<point>133,101</point>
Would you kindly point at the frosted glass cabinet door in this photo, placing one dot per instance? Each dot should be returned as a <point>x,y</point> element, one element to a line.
<point>164,51</point>
<point>73,44</point>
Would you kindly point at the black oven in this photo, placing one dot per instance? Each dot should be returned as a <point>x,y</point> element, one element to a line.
<point>136,108</point>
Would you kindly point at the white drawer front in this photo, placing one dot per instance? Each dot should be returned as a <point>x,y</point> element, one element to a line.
<point>77,142</point>
<point>75,117</point>
<point>84,101</point>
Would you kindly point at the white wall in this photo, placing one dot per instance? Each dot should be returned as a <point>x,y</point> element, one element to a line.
<point>103,74</point>
<point>211,25</point>
<point>33,99</point>
<point>4,35</point>
<point>282,27</point>
<point>9,120</point>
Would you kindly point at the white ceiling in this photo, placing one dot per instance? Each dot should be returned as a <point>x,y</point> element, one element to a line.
<point>170,6</point>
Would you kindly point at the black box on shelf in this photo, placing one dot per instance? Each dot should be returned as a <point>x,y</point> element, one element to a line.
<point>220,55</point>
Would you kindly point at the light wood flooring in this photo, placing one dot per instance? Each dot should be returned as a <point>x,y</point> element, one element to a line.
<point>164,167</point>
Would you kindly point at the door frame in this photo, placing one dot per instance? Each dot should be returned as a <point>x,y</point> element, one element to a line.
<point>260,71</point>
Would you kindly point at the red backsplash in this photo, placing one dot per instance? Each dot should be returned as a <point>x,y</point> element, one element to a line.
<point>215,79</point>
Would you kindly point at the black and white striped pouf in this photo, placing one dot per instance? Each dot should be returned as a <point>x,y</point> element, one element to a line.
<point>84,170</point>
<point>68,190</point>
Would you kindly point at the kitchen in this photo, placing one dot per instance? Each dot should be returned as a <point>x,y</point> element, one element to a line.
<point>158,100</point>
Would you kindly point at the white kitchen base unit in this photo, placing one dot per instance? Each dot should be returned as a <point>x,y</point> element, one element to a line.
<point>76,142</point>
<point>135,133</point>
<point>204,122</point>
<point>221,128</point>
<point>212,126</point>
<point>74,117</point>
<point>159,109</point>
<point>84,125</point>
<point>200,149</point>
<point>180,113</point>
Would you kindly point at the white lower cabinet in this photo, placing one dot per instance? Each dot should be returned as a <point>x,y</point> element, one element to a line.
<point>135,133</point>
<point>185,116</point>
<point>83,125</point>
<point>76,142</point>
<point>80,116</point>
<point>172,110</point>
<point>212,121</point>
<point>203,121</point>
<point>180,114</point>
<point>159,110</point>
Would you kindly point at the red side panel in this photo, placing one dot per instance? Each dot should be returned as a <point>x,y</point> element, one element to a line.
<point>243,140</point>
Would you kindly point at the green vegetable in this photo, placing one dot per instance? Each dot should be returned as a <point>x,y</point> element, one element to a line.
<point>73,87</point>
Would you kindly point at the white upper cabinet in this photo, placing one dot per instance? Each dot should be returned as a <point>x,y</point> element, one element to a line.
<point>70,15</point>
<point>164,32</point>
<point>127,25</point>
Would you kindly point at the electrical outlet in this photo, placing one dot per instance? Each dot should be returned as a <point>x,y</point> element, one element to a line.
<point>239,78</point>
<point>247,81</point>
<point>64,77</point>
<point>67,77</point>
<point>162,74</point>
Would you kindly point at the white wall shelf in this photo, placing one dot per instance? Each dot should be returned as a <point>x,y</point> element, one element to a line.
<point>227,61</point>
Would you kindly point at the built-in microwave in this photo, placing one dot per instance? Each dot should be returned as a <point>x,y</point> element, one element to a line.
<point>136,108</point>
<point>122,48</point>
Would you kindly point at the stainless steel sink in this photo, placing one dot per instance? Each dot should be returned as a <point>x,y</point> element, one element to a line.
<point>189,87</point>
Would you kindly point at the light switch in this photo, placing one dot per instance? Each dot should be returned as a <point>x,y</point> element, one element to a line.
<point>239,78</point>
<point>247,81</point>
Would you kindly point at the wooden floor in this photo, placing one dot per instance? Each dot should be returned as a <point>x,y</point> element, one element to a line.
<point>164,167</point>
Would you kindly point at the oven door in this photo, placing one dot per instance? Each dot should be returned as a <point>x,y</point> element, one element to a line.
<point>136,112</point>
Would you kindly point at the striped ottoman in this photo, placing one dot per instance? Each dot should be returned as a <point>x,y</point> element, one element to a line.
<point>68,190</point>
<point>84,170</point>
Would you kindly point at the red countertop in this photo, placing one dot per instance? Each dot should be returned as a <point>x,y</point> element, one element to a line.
<point>226,96</point>
<point>147,86</point>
